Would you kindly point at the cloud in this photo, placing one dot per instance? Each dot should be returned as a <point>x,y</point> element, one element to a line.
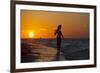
<point>43,29</point>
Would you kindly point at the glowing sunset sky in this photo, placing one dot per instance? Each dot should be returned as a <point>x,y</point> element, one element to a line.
<point>42,24</point>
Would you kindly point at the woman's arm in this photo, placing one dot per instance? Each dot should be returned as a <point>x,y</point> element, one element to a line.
<point>62,35</point>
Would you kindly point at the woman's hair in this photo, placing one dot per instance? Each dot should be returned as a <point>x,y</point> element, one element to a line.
<point>58,28</point>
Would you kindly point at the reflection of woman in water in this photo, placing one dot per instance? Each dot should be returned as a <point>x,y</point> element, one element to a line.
<point>59,35</point>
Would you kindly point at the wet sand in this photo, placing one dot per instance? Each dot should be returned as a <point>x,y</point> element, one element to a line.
<point>38,53</point>
<point>44,53</point>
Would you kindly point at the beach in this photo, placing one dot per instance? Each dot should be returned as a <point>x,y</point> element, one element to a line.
<point>38,51</point>
<point>42,52</point>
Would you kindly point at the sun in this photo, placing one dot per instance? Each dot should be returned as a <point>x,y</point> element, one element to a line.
<point>31,34</point>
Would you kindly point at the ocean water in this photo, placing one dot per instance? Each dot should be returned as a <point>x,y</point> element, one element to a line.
<point>73,43</point>
<point>72,49</point>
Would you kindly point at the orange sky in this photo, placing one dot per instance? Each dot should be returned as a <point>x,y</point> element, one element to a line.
<point>44,23</point>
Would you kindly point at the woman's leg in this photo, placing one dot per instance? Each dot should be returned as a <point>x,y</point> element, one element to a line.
<point>58,48</point>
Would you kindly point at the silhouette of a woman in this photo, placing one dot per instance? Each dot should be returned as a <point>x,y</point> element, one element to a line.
<point>59,36</point>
